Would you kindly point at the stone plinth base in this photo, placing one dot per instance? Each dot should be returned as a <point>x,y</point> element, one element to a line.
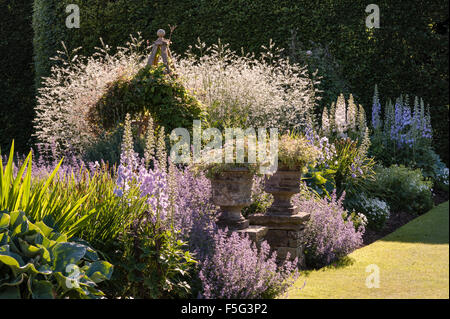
<point>284,234</point>
<point>256,233</point>
<point>241,224</point>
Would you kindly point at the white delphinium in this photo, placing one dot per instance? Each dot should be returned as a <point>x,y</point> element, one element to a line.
<point>331,118</point>
<point>352,113</point>
<point>149,151</point>
<point>362,122</point>
<point>161,153</point>
<point>340,116</point>
<point>325,122</point>
<point>127,142</point>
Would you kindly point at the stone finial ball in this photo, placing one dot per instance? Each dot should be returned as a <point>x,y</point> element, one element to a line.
<point>161,33</point>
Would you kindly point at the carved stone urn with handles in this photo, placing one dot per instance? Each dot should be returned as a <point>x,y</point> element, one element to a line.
<point>283,184</point>
<point>231,190</point>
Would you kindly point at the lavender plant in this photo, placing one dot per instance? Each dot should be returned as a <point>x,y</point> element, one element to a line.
<point>237,269</point>
<point>330,233</point>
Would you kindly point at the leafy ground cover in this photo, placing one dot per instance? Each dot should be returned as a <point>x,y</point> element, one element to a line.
<point>413,263</point>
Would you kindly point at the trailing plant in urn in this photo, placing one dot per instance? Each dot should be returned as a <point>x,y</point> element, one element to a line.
<point>294,154</point>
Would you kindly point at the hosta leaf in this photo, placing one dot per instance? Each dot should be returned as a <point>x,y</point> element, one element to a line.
<point>4,220</point>
<point>67,283</point>
<point>28,250</point>
<point>20,229</point>
<point>44,254</point>
<point>33,237</point>
<point>99,271</point>
<point>91,254</point>
<point>65,254</point>
<point>13,264</point>
<point>41,289</point>
<point>46,231</point>
<point>14,282</point>
<point>4,239</point>
<point>17,218</point>
<point>60,238</point>
<point>10,292</point>
<point>5,251</point>
<point>45,269</point>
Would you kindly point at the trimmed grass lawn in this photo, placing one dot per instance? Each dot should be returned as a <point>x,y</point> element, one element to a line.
<point>413,262</point>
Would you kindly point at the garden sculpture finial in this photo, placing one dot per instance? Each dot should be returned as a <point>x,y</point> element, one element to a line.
<point>161,45</point>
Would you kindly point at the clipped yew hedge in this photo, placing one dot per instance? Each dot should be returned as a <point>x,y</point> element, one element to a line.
<point>16,73</point>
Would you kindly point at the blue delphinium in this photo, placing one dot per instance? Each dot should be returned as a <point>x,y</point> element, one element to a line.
<point>376,111</point>
<point>403,127</point>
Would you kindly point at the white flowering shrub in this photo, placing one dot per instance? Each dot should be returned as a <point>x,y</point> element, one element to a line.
<point>376,211</point>
<point>442,177</point>
<point>245,91</point>
<point>240,91</point>
<point>75,85</point>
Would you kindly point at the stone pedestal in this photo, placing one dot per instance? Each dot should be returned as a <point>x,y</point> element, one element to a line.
<point>283,185</point>
<point>284,234</point>
<point>231,190</point>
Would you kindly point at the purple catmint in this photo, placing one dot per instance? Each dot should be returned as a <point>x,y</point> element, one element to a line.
<point>237,269</point>
<point>329,234</point>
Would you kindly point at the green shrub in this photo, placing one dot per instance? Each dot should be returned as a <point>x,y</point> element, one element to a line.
<point>106,148</point>
<point>149,91</point>
<point>261,200</point>
<point>429,162</point>
<point>38,263</point>
<point>154,264</point>
<point>404,189</point>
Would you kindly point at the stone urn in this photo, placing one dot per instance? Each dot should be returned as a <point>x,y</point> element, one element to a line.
<point>231,190</point>
<point>283,184</point>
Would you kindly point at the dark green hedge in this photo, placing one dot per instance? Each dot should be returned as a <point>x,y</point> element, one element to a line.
<point>408,54</point>
<point>111,20</point>
<point>16,73</point>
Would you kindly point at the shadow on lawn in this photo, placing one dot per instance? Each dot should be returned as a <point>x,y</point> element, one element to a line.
<point>341,263</point>
<point>430,228</point>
